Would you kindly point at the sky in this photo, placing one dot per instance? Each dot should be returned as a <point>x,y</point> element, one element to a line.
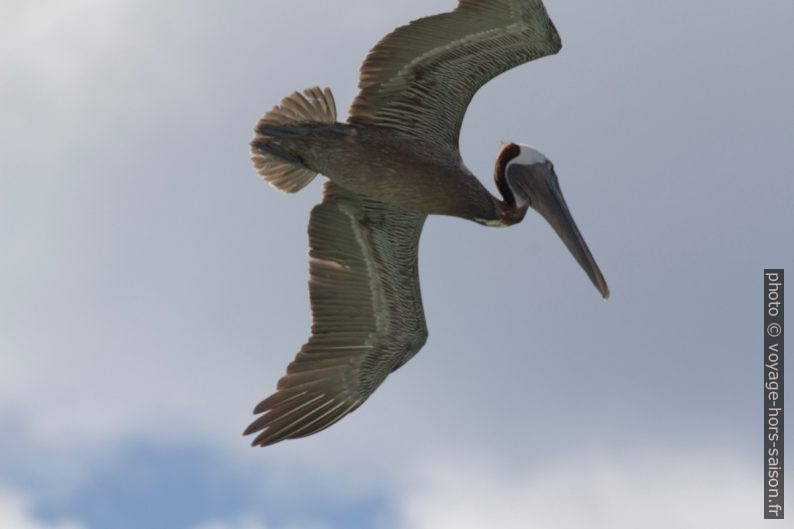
<point>153,288</point>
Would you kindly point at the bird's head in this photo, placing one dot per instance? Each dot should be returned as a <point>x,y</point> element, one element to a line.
<point>526,179</point>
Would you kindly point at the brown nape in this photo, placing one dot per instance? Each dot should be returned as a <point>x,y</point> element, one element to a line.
<point>506,153</point>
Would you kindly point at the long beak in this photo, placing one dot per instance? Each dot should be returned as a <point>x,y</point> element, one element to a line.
<point>550,203</point>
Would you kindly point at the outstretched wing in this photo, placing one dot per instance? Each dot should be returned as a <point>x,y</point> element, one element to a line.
<point>420,78</point>
<point>367,309</point>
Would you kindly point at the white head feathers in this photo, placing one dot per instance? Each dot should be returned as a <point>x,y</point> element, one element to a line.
<point>528,156</point>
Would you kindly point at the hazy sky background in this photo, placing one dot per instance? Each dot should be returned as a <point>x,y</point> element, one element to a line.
<point>153,288</point>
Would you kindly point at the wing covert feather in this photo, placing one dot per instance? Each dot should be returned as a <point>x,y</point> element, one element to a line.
<point>420,78</point>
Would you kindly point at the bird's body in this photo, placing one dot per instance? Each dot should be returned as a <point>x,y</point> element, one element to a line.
<point>394,163</point>
<point>382,164</point>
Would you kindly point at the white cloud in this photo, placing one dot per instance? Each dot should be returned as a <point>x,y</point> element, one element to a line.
<point>247,523</point>
<point>16,512</point>
<point>55,56</point>
<point>244,524</point>
<point>653,489</point>
<point>55,42</point>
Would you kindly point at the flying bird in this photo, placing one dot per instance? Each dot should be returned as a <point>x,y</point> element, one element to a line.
<point>394,162</point>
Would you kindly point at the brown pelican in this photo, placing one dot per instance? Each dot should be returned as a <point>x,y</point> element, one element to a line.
<point>393,163</point>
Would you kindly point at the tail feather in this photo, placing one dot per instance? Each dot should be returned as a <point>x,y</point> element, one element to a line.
<point>282,170</point>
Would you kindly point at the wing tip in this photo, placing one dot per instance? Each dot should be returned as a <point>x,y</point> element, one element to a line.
<point>281,420</point>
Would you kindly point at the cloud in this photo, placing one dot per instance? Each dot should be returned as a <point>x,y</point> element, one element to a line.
<point>55,54</point>
<point>244,524</point>
<point>16,512</point>
<point>57,40</point>
<point>652,488</point>
<point>248,523</point>
<point>154,289</point>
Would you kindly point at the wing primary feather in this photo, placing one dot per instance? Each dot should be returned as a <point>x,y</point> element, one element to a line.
<point>282,427</point>
<point>277,413</point>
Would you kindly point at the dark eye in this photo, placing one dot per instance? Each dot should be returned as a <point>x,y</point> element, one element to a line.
<point>550,165</point>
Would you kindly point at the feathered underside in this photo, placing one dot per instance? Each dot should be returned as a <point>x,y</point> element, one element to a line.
<point>367,310</point>
<point>420,78</point>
